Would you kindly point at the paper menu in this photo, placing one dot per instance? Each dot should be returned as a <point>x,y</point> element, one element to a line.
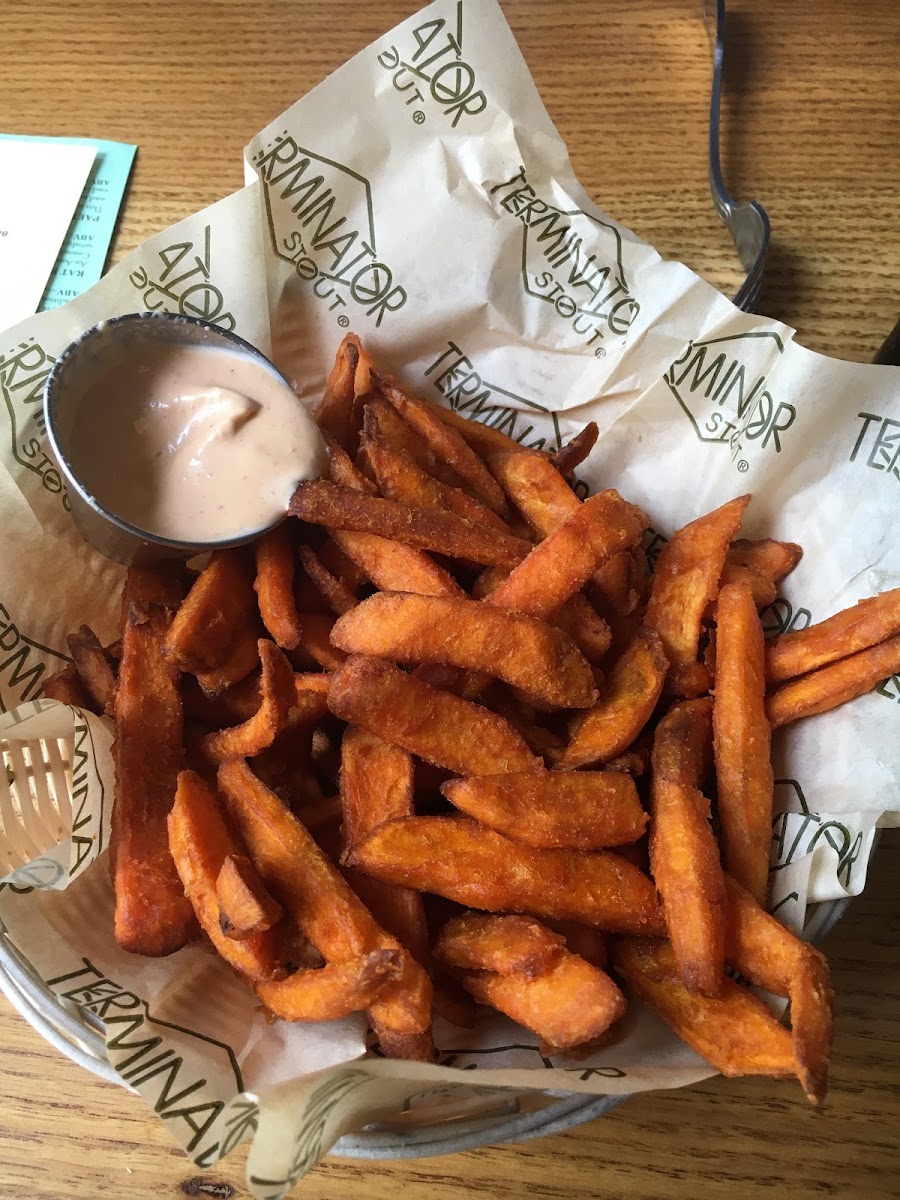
<point>40,186</point>
<point>83,255</point>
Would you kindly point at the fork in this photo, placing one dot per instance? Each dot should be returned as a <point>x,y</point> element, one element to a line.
<point>747,223</point>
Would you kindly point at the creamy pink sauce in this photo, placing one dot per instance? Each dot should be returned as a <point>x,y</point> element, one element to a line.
<point>193,443</point>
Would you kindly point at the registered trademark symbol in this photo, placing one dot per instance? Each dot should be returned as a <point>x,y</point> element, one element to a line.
<point>418,116</point>
<point>343,321</point>
<point>600,352</point>
<point>743,466</point>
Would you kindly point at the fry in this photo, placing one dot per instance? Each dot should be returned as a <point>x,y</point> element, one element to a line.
<point>278,694</point>
<point>324,503</point>
<point>686,580</point>
<point>437,726</point>
<point>341,566</point>
<point>376,784</point>
<point>401,479</point>
<point>577,617</point>
<point>315,640</point>
<point>577,450</point>
<point>241,661</point>
<point>684,857</point>
<point>771,957</point>
<point>94,668</point>
<point>450,446</point>
<point>400,435</point>
<point>589,944</point>
<point>200,844</point>
<point>572,1004</point>
<point>393,567</point>
<point>335,592</point>
<point>830,686</point>
<point>619,586</point>
<point>762,589</point>
<point>274,586</point>
<point>153,916</point>
<point>334,413</point>
<point>579,810</point>
<point>772,559</point>
<point>343,470</point>
<point>314,893</point>
<point>563,562</point>
<point>625,706</point>
<point>218,606</point>
<point>66,686</point>
<point>330,992</point>
<point>742,741</point>
<point>523,652</point>
<point>866,624</point>
<point>508,945</point>
<point>245,907</point>
<point>733,1031</point>
<point>460,859</point>
<point>482,438</point>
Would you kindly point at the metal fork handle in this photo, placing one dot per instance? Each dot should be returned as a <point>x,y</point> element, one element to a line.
<point>748,223</point>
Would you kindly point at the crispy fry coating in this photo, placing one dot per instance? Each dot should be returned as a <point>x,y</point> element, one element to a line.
<point>274,586</point>
<point>245,907</point>
<point>576,451</point>
<point>315,640</point>
<point>733,1031</point>
<point>278,695</point>
<point>562,563</point>
<point>334,413</point>
<point>626,703</point>
<point>153,916</point>
<point>509,945</point>
<point>401,479</point>
<point>771,957</point>
<point>684,857</point>
<point>449,445</point>
<point>335,592</point>
<point>200,844</point>
<point>822,690</point>
<point>66,686</point>
<point>572,1004</point>
<point>686,580</point>
<point>854,629</point>
<point>437,726</point>
<point>742,741</point>
<point>522,651</point>
<point>324,503</point>
<point>376,784</point>
<point>583,810</point>
<point>94,669</point>
<point>209,622</point>
<point>242,660</point>
<point>330,992</point>
<point>393,567</point>
<point>772,559</point>
<point>460,859</point>
<point>314,893</point>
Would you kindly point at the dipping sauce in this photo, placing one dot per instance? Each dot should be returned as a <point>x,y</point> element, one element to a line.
<point>195,443</point>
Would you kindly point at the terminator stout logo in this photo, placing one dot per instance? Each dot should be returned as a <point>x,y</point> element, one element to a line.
<point>572,261</point>
<point>719,387</point>
<point>321,221</point>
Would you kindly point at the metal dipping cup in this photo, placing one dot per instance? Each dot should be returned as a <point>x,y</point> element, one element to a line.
<point>79,368</point>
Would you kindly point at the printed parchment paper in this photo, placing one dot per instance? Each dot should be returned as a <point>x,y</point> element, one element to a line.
<point>422,197</point>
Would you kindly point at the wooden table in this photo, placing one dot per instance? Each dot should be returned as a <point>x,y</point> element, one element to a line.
<point>812,126</point>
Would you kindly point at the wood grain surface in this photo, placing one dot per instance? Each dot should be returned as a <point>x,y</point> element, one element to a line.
<point>812,126</point>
